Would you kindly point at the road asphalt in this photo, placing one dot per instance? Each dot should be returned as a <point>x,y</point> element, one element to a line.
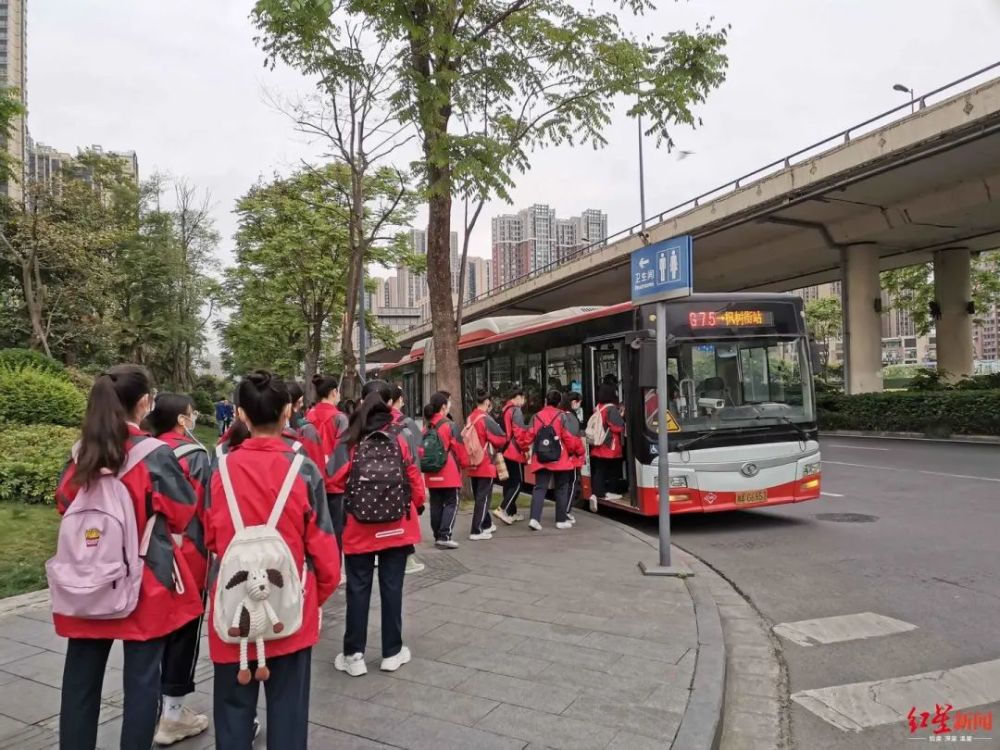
<point>906,530</point>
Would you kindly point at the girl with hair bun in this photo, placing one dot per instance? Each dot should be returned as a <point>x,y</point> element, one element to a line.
<point>172,420</point>
<point>256,471</point>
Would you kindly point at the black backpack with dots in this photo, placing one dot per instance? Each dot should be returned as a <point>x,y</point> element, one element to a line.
<point>378,490</point>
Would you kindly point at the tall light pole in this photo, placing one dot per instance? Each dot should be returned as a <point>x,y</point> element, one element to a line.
<point>642,178</point>
<point>907,90</point>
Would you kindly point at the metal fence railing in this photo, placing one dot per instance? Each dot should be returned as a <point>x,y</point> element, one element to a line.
<point>837,139</point>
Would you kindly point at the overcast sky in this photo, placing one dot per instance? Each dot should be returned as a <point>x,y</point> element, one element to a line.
<point>182,83</point>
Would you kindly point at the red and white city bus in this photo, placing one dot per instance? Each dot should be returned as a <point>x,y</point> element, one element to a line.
<point>741,391</point>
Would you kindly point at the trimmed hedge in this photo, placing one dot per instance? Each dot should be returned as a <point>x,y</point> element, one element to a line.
<point>32,458</point>
<point>15,358</point>
<point>939,413</point>
<point>30,395</point>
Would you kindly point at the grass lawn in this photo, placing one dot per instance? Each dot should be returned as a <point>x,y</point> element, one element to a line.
<point>207,436</point>
<point>27,540</point>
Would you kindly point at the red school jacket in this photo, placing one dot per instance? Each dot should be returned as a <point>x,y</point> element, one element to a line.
<point>330,423</point>
<point>513,425</point>
<point>456,457</point>
<point>615,425</point>
<point>570,444</point>
<point>197,468</point>
<point>362,538</point>
<point>572,423</point>
<point>257,471</point>
<point>156,485</point>
<point>490,435</point>
<point>311,449</point>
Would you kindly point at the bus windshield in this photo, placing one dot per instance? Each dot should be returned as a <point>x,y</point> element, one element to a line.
<point>736,383</point>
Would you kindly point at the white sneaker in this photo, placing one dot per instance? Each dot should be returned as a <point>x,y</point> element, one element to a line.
<point>502,515</point>
<point>190,724</point>
<point>392,663</point>
<point>518,517</point>
<point>534,525</point>
<point>480,537</point>
<point>571,518</point>
<point>446,544</point>
<point>564,525</point>
<point>593,503</point>
<point>613,496</point>
<point>413,565</point>
<point>354,664</point>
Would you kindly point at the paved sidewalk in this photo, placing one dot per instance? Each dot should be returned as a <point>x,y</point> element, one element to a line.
<point>530,640</point>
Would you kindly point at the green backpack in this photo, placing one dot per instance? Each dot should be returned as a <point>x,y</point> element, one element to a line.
<point>434,456</point>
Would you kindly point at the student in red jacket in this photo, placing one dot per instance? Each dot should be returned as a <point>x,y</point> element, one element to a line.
<point>491,436</point>
<point>444,484</point>
<point>257,470</point>
<point>606,459</point>
<point>172,420</point>
<point>559,472</point>
<point>330,424</point>
<point>512,421</point>
<point>392,542</point>
<point>168,600</point>
<point>571,402</point>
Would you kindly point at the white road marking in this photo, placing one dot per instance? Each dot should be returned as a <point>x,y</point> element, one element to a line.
<point>841,628</point>
<point>862,705</point>
<point>856,447</point>
<point>830,494</point>
<point>914,471</point>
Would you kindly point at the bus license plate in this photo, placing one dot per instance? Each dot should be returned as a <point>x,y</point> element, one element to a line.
<point>751,497</point>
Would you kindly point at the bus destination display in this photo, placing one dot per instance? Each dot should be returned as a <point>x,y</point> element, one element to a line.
<point>730,319</point>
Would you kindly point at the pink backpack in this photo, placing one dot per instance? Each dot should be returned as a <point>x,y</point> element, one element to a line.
<point>473,445</point>
<point>97,569</point>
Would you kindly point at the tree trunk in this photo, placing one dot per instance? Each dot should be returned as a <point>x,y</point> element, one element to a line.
<point>33,303</point>
<point>349,385</point>
<point>439,287</point>
<point>313,349</point>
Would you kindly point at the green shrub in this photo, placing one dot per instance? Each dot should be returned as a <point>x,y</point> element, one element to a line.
<point>939,413</point>
<point>203,403</point>
<point>32,458</point>
<point>15,358</point>
<point>29,395</point>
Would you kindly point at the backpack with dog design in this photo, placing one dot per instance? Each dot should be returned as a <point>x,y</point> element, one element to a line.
<point>259,592</point>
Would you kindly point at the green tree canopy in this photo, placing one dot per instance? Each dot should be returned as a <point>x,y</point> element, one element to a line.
<point>482,83</point>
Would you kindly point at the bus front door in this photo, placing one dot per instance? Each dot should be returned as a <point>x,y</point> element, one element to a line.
<point>604,364</point>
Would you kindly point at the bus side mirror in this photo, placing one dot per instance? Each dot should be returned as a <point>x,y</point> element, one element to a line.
<point>816,356</point>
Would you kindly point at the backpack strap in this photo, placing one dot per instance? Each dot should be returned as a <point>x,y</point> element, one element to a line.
<point>286,490</point>
<point>187,449</point>
<point>227,490</point>
<point>296,446</point>
<point>138,453</point>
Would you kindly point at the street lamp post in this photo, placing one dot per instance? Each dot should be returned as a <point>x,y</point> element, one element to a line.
<point>907,90</point>
<point>642,180</point>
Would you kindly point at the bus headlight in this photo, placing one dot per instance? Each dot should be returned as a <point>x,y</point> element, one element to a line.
<point>678,482</point>
<point>810,469</point>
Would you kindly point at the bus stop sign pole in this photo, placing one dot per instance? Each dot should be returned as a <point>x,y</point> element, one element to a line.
<point>660,272</point>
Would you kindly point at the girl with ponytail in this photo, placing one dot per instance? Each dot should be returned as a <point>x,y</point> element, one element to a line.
<point>168,599</point>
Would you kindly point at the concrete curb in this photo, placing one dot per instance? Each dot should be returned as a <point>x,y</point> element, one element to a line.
<point>701,725</point>
<point>969,439</point>
<point>13,604</point>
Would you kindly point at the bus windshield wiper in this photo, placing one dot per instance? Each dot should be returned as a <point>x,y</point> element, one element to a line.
<point>780,417</point>
<point>693,441</point>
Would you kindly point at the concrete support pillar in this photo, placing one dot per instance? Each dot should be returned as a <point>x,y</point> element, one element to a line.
<point>862,321</point>
<point>953,292</point>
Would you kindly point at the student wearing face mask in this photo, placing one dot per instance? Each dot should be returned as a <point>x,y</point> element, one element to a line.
<point>163,503</point>
<point>172,420</point>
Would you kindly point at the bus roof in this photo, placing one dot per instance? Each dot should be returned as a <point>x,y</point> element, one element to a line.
<point>511,326</point>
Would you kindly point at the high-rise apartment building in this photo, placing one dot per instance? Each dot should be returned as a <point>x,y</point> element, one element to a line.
<point>986,335</point>
<point>479,273</point>
<point>45,163</point>
<point>534,238</point>
<point>13,74</point>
